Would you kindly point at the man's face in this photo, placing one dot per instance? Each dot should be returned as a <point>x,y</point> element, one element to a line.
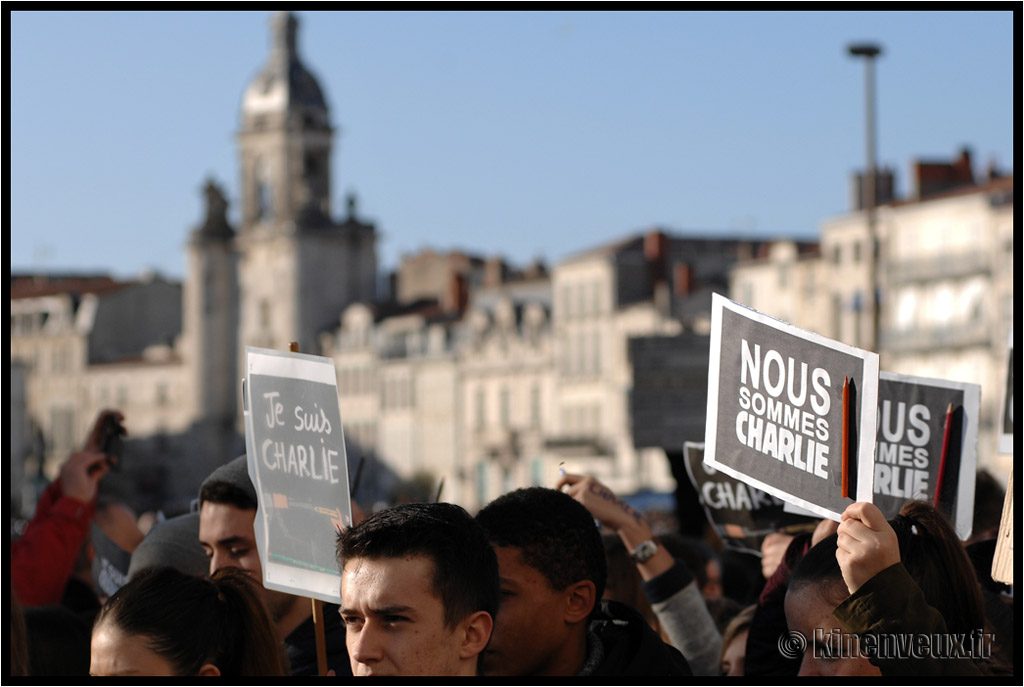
<point>394,623</point>
<point>530,633</point>
<point>227,535</point>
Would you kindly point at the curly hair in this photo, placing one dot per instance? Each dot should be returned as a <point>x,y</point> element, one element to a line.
<point>555,534</point>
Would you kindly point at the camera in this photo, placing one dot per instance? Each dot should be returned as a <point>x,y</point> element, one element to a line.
<point>110,441</point>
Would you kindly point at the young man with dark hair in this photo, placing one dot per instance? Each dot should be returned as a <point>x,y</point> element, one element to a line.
<point>419,591</point>
<point>227,512</point>
<point>552,620</point>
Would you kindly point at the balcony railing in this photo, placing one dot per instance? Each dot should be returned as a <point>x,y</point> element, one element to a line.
<point>940,267</point>
<point>936,338</point>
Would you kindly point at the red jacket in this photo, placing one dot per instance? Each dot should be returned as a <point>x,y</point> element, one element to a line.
<point>44,557</point>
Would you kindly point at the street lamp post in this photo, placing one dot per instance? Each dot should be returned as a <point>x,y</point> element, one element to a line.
<point>869,51</point>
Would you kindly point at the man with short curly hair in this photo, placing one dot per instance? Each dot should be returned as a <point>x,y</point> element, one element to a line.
<point>552,620</point>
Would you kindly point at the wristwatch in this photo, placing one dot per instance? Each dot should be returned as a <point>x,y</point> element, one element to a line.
<point>644,550</point>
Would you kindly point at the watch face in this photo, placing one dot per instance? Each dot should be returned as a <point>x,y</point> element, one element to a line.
<point>643,552</point>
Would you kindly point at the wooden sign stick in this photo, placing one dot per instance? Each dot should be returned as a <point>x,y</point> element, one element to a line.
<point>318,605</point>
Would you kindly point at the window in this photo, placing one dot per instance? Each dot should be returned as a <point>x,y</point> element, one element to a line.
<point>535,406</point>
<point>481,482</point>
<point>264,316</point>
<point>505,411</point>
<point>162,394</point>
<point>481,407</point>
<point>264,193</point>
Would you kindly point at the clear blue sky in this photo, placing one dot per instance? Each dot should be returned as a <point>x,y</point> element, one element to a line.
<point>529,134</point>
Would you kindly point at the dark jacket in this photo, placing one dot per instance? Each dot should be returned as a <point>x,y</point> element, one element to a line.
<point>628,646</point>
<point>768,627</point>
<point>891,605</point>
<point>301,645</point>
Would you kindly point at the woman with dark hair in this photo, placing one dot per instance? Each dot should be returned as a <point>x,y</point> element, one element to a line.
<point>166,622</point>
<point>865,599</point>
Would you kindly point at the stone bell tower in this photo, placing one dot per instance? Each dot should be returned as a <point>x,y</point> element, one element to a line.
<point>298,268</point>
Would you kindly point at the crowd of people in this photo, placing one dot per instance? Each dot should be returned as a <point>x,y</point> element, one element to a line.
<point>563,580</point>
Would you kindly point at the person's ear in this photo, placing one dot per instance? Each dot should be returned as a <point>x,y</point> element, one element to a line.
<point>476,633</point>
<point>580,599</point>
<point>209,670</point>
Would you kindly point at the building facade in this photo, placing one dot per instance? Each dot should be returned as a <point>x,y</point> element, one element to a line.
<point>944,278</point>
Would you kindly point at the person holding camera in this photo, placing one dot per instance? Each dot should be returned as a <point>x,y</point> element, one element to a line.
<point>43,558</point>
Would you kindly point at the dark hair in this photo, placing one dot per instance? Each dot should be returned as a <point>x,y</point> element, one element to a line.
<point>988,506</point>
<point>695,554</point>
<point>555,534</point>
<point>57,641</point>
<point>465,566</point>
<point>19,637</point>
<point>192,621</point>
<point>931,553</point>
<point>623,582</point>
<point>225,492</point>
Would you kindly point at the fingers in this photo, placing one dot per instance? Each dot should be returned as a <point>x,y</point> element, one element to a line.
<point>95,439</point>
<point>568,479</point>
<point>865,544</point>
<point>81,475</point>
<point>825,529</point>
<point>867,513</point>
<point>87,462</point>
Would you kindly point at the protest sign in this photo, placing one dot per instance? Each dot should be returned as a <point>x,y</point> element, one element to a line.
<point>787,408</point>
<point>741,515</point>
<point>297,462</point>
<point>926,426</point>
<point>1002,559</point>
<point>1006,416</point>
<point>109,563</point>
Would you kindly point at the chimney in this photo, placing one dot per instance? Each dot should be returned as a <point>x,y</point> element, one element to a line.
<point>458,293</point>
<point>494,272</point>
<point>656,253</point>
<point>962,174</point>
<point>885,188</point>
<point>936,177</point>
<point>682,279</point>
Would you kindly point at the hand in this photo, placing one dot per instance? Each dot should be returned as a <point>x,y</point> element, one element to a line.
<point>866,545</point>
<point>773,548</point>
<point>607,508</point>
<point>80,476</point>
<point>95,440</point>
<point>825,529</point>
<point>617,515</point>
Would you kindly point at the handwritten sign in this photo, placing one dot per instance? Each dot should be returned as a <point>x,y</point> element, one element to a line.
<point>741,515</point>
<point>1002,559</point>
<point>777,407</point>
<point>297,462</point>
<point>912,438</point>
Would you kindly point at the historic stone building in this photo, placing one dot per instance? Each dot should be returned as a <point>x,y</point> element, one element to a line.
<point>171,355</point>
<point>476,375</point>
<point>945,281</point>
